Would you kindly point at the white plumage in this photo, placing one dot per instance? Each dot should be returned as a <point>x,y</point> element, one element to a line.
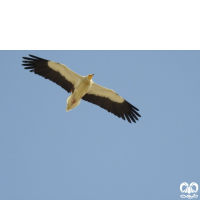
<point>81,87</point>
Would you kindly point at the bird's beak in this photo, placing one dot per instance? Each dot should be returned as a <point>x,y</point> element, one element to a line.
<point>90,76</point>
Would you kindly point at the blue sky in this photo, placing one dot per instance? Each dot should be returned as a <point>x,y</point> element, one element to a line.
<point>47,153</point>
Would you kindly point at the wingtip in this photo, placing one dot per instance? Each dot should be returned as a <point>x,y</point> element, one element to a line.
<point>36,57</point>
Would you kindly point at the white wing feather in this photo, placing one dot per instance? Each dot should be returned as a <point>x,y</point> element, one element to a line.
<point>64,71</point>
<point>98,90</point>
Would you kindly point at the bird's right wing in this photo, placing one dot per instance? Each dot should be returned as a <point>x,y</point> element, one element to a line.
<point>112,102</point>
<point>56,72</point>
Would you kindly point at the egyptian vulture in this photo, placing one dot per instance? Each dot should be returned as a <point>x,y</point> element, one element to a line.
<point>81,87</point>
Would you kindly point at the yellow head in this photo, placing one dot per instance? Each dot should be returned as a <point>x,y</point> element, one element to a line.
<point>90,76</point>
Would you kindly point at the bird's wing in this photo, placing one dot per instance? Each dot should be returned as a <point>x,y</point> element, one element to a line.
<point>56,72</point>
<point>112,102</point>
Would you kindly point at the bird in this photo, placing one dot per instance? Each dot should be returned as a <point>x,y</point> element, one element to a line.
<point>81,87</point>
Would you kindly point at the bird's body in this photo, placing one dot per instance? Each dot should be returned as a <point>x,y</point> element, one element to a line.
<point>81,87</point>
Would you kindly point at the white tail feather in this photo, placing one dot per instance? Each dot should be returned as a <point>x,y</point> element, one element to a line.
<point>71,105</point>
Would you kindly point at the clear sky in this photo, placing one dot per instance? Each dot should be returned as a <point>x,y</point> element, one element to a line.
<point>47,153</point>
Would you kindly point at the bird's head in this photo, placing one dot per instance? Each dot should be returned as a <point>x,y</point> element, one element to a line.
<point>90,76</point>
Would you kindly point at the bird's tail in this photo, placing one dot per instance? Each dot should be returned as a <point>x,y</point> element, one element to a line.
<point>68,108</point>
<point>72,103</point>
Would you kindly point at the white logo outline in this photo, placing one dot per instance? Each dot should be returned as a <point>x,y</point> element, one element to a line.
<point>189,189</point>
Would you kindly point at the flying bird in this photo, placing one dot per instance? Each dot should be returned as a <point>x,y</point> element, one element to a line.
<point>81,87</point>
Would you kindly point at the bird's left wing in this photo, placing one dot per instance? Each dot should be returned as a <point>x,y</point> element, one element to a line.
<point>56,72</point>
<point>112,102</point>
